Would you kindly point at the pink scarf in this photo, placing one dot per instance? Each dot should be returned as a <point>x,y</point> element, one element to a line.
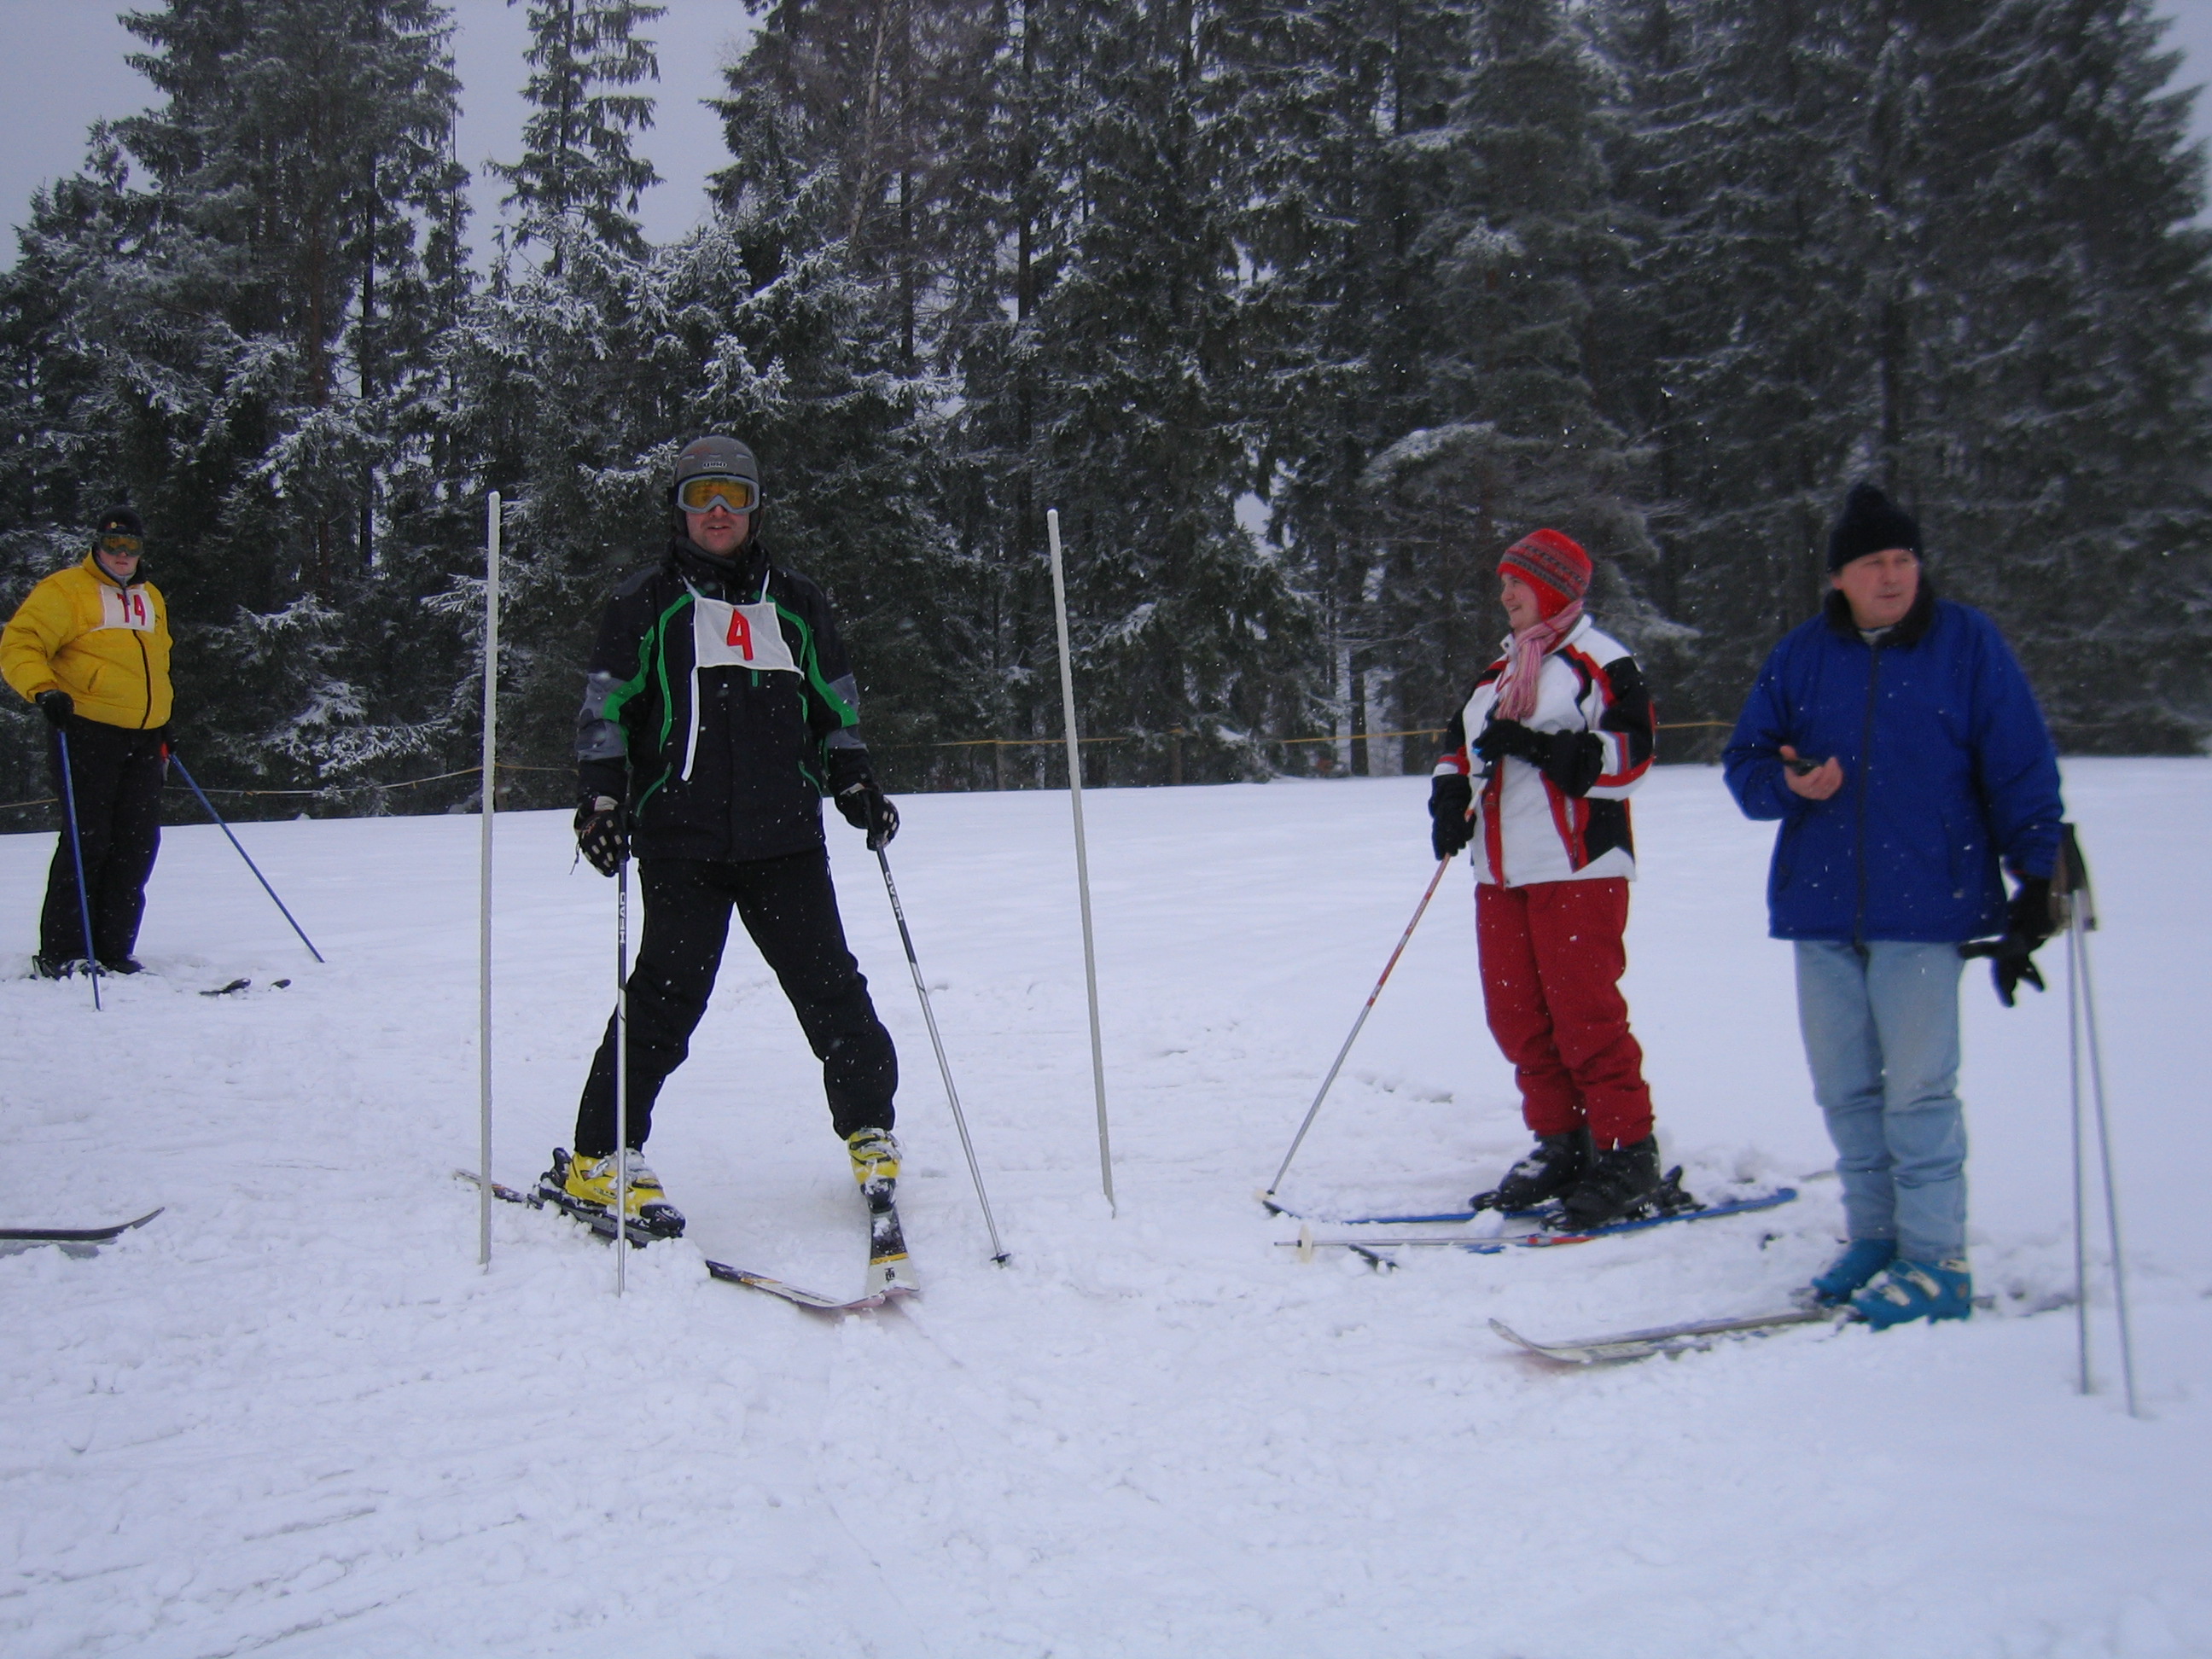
<point>1524,660</point>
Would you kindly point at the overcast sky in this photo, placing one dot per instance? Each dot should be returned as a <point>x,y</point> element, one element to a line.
<point>63,69</point>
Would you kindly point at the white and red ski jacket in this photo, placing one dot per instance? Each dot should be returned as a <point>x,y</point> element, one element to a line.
<point>1568,819</point>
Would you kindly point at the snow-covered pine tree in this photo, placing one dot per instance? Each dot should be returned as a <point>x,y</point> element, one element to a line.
<point>1183,624</point>
<point>1733,338</point>
<point>1327,110</point>
<point>1517,438</point>
<point>2040,324</point>
<point>235,335</point>
<point>575,155</point>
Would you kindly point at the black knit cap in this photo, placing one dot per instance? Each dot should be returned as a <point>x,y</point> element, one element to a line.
<point>119,518</point>
<point>1870,523</point>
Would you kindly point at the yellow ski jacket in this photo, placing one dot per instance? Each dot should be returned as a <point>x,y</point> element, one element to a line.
<point>105,644</point>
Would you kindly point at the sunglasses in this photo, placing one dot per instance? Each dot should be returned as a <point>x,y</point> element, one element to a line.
<point>116,543</point>
<point>700,495</point>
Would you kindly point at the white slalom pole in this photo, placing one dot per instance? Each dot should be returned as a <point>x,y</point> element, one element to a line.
<point>488,809</point>
<point>622,1071</point>
<point>1082,856</point>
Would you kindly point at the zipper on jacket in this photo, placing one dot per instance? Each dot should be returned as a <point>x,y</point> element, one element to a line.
<point>1866,786</point>
<point>146,671</point>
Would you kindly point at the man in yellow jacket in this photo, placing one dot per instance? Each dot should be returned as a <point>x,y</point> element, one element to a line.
<point>90,647</point>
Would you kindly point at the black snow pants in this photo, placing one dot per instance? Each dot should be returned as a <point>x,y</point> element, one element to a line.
<point>115,777</point>
<point>790,907</point>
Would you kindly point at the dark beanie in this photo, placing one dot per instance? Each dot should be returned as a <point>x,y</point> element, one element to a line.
<point>1870,523</point>
<point>120,519</point>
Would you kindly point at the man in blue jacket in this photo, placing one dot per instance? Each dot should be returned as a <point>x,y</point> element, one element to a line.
<point>1897,740</point>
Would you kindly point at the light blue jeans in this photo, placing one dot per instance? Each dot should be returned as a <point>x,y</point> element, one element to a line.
<point>1882,1036</point>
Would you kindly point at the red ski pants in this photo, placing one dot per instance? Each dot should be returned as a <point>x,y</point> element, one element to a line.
<point>1551,961</point>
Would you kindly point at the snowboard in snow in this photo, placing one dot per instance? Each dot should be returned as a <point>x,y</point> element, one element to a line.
<point>1668,1339</point>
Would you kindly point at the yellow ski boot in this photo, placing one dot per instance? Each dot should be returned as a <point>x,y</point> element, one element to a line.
<point>586,1186</point>
<point>875,1154</point>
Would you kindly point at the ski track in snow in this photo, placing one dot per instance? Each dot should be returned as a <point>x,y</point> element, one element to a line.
<point>293,1416</point>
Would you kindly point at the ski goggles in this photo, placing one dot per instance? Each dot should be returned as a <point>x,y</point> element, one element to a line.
<point>703,494</point>
<point>116,543</point>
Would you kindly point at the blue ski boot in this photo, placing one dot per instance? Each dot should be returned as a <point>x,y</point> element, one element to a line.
<point>1863,1258</point>
<point>1916,1290</point>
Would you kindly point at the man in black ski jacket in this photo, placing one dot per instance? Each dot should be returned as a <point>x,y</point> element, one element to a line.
<point>719,709</point>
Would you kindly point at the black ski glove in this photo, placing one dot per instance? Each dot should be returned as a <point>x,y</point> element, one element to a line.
<point>853,786</point>
<point>602,833</point>
<point>1571,760</point>
<point>1451,794</point>
<point>56,706</point>
<point>2027,925</point>
<point>1502,738</point>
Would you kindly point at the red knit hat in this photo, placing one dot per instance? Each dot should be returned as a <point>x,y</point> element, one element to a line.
<point>1558,570</point>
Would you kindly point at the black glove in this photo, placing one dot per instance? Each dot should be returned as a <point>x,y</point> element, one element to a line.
<point>864,806</point>
<point>2027,924</point>
<point>1502,738</point>
<point>56,706</point>
<point>1451,796</point>
<point>602,833</point>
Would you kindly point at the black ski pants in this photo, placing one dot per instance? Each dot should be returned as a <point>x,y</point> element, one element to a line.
<point>115,778</point>
<point>790,907</point>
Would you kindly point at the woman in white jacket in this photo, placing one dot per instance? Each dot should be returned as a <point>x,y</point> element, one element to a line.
<point>1562,734</point>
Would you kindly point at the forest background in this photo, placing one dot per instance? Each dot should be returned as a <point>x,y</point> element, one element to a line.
<point>1298,312</point>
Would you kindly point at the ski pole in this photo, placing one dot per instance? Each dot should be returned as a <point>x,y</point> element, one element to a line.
<point>1404,939</point>
<point>2071,880</point>
<point>2082,995</point>
<point>944,1068</point>
<point>177,761</point>
<point>77,855</point>
<point>622,1069</point>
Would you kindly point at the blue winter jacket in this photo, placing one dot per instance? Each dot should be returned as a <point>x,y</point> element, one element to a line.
<point>1946,768</point>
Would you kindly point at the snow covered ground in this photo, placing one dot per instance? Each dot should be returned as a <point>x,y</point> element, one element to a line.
<point>293,1415</point>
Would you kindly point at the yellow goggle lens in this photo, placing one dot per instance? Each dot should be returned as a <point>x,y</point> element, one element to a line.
<point>700,494</point>
<point>116,542</point>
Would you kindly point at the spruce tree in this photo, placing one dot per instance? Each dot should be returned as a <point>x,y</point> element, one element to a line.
<point>577,157</point>
<point>1516,437</point>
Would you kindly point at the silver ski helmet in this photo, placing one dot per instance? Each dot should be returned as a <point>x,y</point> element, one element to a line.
<point>708,460</point>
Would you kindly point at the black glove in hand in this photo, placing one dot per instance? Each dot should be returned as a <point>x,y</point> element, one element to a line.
<point>1451,794</point>
<point>2027,925</point>
<point>602,833</point>
<point>2028,915</point>
<point>56,706</point>
<point>863,805</point>
<point>1502,738</point>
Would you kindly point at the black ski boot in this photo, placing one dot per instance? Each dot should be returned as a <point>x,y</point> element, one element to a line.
<point>1553,1166</point>
<point>1622,1184</point>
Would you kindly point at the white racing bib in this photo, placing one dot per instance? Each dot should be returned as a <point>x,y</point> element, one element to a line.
<point>125,607</point>
<point>725,635</point>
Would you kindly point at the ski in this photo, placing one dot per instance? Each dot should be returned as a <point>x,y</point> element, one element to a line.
<point>1542,1238</point>
<point>1668,1339</point>
<point>1669,1200</point>
<point>238,985</point>
<point>74,1234</point>
<point>889,1277</point>
<point>889,1273</point>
